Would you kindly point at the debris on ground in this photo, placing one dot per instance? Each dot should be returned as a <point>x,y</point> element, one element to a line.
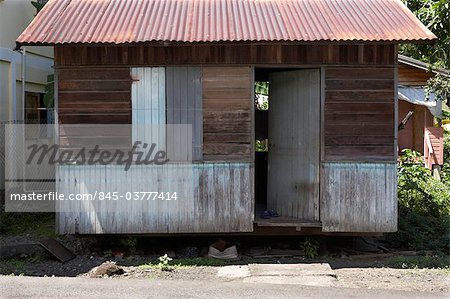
<point>229,253</point>
<point>57,249</point>
<point>223,251</point>
<point>106,269</point>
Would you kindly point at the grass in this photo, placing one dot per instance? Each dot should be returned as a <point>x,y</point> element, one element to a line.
<point>186,263</point>
<point>201,261</point>
<point>421,262</point>
<point>16,266</point>
<point>39,224</point>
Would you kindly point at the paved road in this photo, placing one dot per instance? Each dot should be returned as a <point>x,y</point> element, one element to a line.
<point>61,287</point>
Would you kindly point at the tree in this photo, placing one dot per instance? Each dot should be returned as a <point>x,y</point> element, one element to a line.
<point>39,5</point>
<point>435,14</point>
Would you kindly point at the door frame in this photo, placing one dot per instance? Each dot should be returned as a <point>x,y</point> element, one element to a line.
<point>322,142</point>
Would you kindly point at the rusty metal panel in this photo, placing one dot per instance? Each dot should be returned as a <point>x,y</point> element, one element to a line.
<point>126,21</point>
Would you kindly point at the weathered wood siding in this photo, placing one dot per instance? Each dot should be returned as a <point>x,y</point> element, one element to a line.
<point>146,54</point>
<point>227,114</point>
<point>359,114</point>
<point>358,127</point>
<point>412,76</point>
<point>98,95</point>
<point>412,136</point>
<point>221,201</point>
<point>185,103</point>
<point>148,102</point>
<point>434,149</point>
<point>359,197</point>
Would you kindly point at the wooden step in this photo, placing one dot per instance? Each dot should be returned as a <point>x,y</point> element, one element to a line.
<point>287,222</point>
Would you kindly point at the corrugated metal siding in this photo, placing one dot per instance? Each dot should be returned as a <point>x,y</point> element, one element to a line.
<point>124,21</point>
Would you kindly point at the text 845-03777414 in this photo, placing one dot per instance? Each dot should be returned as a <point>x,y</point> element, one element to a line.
<point>138,195</point>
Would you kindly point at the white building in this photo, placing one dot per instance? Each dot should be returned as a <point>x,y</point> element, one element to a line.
<point>23,75</point>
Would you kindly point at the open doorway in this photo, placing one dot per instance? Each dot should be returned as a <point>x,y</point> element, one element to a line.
<point>287,133</point>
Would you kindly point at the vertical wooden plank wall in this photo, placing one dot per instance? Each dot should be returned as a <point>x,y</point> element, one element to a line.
<point>294,150</point>
<point>212,198</point>
<point>359,197</point>
<point>148,102</point>
<point>185,103</point>
<point>225,54</point>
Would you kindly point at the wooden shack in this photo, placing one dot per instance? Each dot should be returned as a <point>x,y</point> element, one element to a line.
<point>423,131</point>
<point>332,119</point>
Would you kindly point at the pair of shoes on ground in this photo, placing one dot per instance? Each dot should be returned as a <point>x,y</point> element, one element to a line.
<point>267,214</point>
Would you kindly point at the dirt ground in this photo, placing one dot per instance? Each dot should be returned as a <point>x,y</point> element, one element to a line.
<point>425,280</point>
<point>360,273</point>
<point>371,270</point>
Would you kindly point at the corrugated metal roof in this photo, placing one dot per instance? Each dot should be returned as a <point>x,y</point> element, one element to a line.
<point>125,21</point>
<point>422,65</point>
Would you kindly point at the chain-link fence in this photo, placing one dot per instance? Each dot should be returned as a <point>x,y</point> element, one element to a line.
<point>2,151</point>
<point>14,136</point>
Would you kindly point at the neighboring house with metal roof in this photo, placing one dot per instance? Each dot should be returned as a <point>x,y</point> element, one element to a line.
<point>332,117</point>
<point>422,132</point>
<point>23,75</point>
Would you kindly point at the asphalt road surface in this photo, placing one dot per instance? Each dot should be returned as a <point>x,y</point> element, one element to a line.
<point>62,287</point>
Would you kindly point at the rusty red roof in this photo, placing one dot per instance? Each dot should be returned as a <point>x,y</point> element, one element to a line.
<point>128,21</point>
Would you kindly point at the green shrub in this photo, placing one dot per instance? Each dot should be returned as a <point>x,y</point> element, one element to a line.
<point>424,207</point>
<point>421,232</point>
<point>310,248</point>
<point>418,190</point>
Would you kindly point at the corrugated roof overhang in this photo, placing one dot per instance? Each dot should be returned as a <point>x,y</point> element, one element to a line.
<point>198,21</point>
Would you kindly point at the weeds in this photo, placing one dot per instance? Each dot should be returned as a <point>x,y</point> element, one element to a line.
<point>421,262</point>
<point>200,261</point>
<point>16,266</point>
<point>40,224</point>
<point>168,264</point>
<point>310,248</point>
<point>164,263</point>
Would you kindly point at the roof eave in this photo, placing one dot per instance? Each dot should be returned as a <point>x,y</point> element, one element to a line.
<point>175,43</point>
<point>422,65</point>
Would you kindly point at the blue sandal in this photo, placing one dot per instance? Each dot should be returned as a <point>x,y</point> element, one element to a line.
<point>265,215</point>
<point>273,213</point>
